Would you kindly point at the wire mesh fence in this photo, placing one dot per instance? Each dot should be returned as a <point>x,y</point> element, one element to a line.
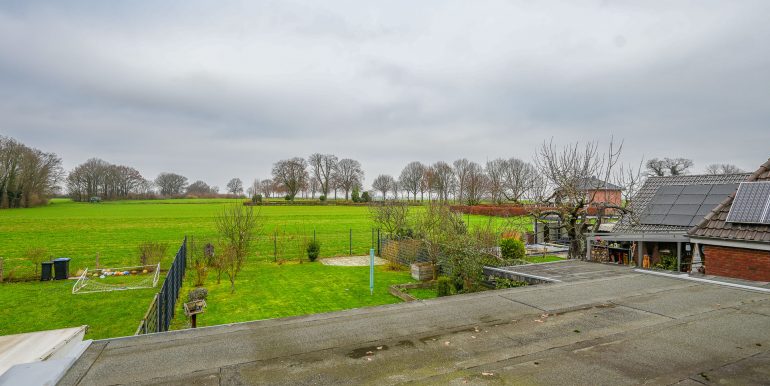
<point>283,245</point>
<point>163,306</point>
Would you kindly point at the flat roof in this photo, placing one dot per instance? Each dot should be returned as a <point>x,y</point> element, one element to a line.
<point>619,329</point>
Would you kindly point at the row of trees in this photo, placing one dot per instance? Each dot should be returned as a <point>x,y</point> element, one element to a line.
<point>320,173</point>
<point>466,181</point>
<point>99,178</point>
<point>27,175</point>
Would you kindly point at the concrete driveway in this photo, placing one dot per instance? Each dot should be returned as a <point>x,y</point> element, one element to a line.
<point>624,328</point>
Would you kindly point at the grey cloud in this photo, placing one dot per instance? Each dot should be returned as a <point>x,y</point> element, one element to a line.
<point>221,89</point>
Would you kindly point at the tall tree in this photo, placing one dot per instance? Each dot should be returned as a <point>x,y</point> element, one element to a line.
<point>566,169</point>
<point>291,174</point>
<point>668,166</point>
<point>383,184</point>
<point>443,180</point>
<point>475,184</point>
<point>495,171</point>
<point>199,188</point>
<point>461,169</point>
<point>323,167</point>
<point>723,169</point>
<point>235,186</point>
<point>267,187</point>
<point>411,178</point>
<point>171,184</point>
<point>517,177</point>
<point>348,175</point>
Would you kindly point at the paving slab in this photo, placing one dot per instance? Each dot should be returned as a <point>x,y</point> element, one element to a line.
<point>613,329</point>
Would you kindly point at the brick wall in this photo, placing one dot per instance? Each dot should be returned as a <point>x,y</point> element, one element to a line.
<point>739,263</point>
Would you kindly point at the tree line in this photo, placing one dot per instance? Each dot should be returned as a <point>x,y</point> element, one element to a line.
<point>27,175</point>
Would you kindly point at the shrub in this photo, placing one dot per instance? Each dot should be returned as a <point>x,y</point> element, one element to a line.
<point>313,250</point>
<point>289,197</point>
<point>322,197</point>
<point>512,249</point>
<point>508,283</point>
<point>365,197</point>
<point>355,196</point>
<point>151,253</point>
<point>443,286</point>
<point>35,256</point>
<point>256,199</point>
<point>197,294</point>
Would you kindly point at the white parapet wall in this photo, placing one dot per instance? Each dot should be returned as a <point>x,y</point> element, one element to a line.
<point>40,357</point>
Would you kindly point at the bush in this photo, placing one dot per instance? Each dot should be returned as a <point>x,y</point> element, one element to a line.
<point>512,249</point>
<point>443,286</point>
<point>508,283</point>
<point>365,197</point>
<point>256,199</point>
<point>322,197</point>
<point>289,197</point>
<point>313,250</point>
<point>355,196</point>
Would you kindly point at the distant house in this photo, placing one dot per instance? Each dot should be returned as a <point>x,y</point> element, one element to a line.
<point>735,236</point>
<point>601,192</point>
<point>655,233</point>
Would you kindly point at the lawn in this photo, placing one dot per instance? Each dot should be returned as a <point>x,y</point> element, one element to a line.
<point>114,230</point>
<point>266,290</point>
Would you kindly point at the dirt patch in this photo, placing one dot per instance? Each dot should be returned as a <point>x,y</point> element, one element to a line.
<point>352,261</point>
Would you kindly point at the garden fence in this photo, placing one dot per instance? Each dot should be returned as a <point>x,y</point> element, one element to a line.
<point>161,311</point>
<point>283,245</point>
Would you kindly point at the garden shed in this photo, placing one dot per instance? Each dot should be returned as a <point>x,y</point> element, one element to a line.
<point>655,232</point>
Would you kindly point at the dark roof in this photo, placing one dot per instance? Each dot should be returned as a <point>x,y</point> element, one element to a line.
<point>594,183</point>
<point>630,223</point>
<point>714,225</point>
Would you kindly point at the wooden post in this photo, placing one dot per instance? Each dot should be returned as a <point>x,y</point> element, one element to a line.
<point>678,257</point>
<point>194,320</point>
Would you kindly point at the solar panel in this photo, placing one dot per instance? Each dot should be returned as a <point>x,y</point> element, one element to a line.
<point>751,204</point>
<point>684,205</point>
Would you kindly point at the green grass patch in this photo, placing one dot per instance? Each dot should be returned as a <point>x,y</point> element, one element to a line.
<point>266,290</point>
<point>422,293</point>
<point>35,306</point>
<point>543,259</point>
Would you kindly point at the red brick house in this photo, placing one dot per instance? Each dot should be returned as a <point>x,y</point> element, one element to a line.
<point>734,238</point>
<point>601,192</point>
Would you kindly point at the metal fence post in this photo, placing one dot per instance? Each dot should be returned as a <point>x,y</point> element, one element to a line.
<point>275,247</point>
<point>379,243</point>
<point>351,241</point>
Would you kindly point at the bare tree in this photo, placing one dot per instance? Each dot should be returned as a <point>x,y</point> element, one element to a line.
<point>27,175</point>
<point>348,175</point>
<point>442,180</point>
<point>668,166</point>
<point>235,186</point>
<point>517,177</point>
<point>475,184</point>
<point>199,188</point>
<point>291,174</point>
<point>237,226</point>
<point>391,216</point>
<point>629,178</point>
<point>266,187</point>
<point>323,166</point>
<point>495,171</point>
<point>411,178</point>
<point>461,167</point>
<point>566,169</point>
<point>383,184</point>
<point>171,184</point>
<point>723,169</point>
<point>254,188</point>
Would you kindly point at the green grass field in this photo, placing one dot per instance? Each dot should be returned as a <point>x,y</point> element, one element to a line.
<point>114,230</point>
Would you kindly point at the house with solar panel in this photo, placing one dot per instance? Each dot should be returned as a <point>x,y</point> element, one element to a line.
<point>656,232</point>
<point>735,236</point>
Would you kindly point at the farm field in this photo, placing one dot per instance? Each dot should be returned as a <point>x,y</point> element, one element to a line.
<point>114,230</point>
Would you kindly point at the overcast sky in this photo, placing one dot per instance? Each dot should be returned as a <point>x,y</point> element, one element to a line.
<point>220,89</point>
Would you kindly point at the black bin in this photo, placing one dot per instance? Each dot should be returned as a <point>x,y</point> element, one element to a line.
<point>61,267</point>
<point>46,270</point>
